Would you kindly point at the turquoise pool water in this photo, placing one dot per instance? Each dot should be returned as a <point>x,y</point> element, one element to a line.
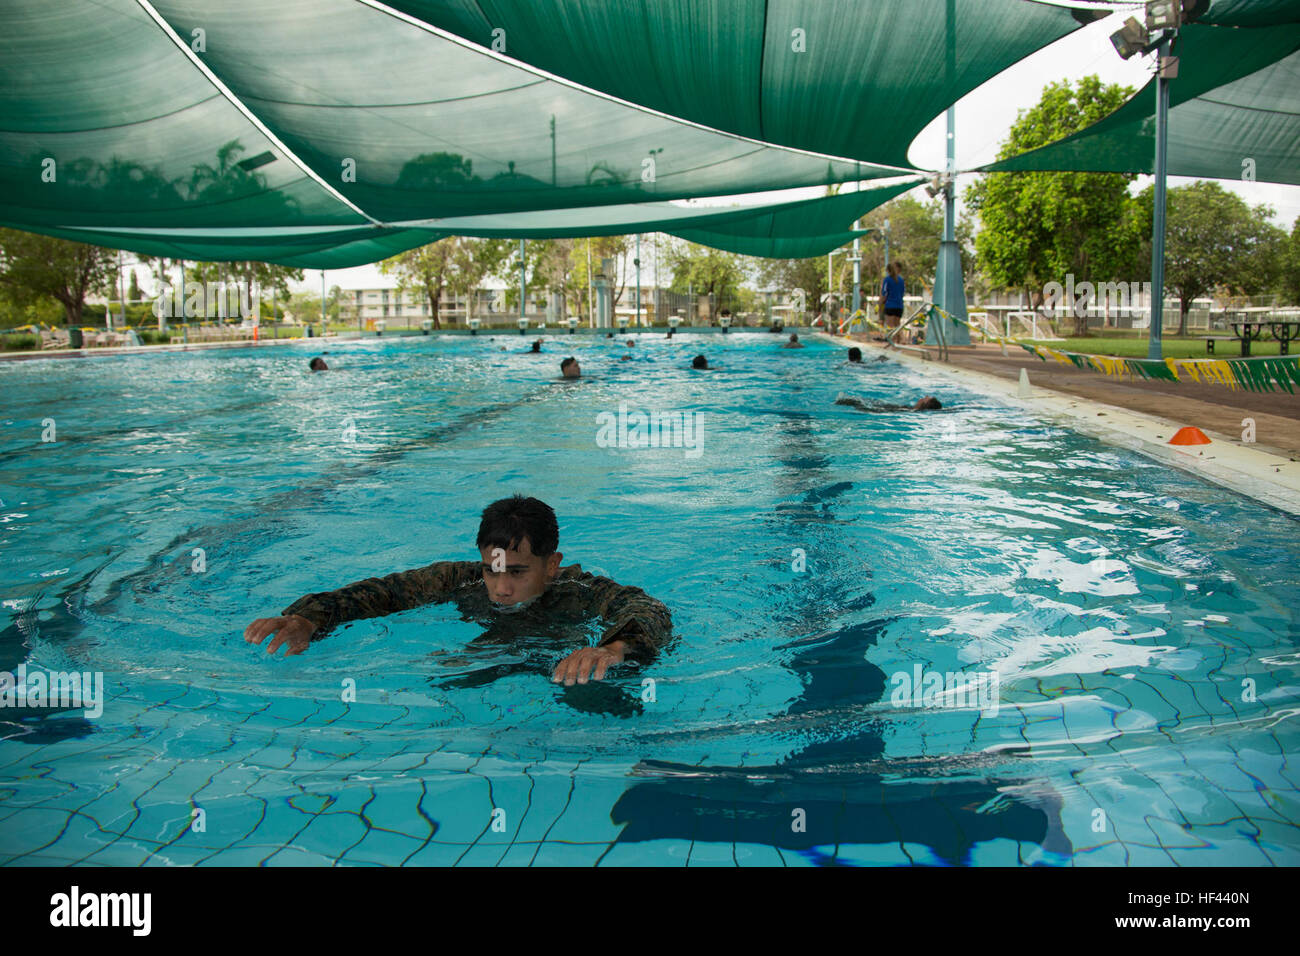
<point>1139,624</point>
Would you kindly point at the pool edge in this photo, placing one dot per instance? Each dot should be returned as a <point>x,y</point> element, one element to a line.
<point>1267,478</point>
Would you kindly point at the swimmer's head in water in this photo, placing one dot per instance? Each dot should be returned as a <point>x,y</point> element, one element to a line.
<point>569,368</point>
<point>517,541</point>
<point>794,336</point>
<point>630,343</point>
<point>927,404</point>
<point>609,335</point>
<point>855,354</point>
<point>318,365</point>
<point>537,345</point>
<point>699,362</point>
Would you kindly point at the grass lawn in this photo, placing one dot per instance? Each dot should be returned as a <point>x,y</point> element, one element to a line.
<point>1171,347</point>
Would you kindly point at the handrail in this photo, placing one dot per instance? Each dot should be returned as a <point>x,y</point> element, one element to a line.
<point>921,310</point>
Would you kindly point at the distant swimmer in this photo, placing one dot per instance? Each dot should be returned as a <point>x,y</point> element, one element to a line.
<point>927,404</point>
<point>794,342</point>
<point>517,591</point>
<point>318,365</point>
<point>631,343</point>
<point>700,362</point>
<point>855,354</point>
<point>570,368</point>
<point>536,346</point>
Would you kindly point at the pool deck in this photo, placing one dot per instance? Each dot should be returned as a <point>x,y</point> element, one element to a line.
<point>1142,415</point>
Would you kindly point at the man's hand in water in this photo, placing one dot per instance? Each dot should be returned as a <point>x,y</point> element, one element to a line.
<point>294,630</point>
<point>578,665</point>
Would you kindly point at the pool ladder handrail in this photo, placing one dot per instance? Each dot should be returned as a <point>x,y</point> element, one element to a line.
<point>919,313</point>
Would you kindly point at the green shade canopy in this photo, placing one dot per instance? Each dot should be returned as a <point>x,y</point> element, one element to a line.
<point>1251,13</point>
<point>856,78</point>
<point>1234,108</point>
<point>324,112</point>
<point>793,229</point>
<point>329,132</point>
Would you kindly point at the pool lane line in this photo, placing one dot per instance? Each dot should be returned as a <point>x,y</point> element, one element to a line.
<point>1268,479</point>
<point>269,508</point>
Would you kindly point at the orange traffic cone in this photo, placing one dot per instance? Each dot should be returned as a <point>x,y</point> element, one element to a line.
<point>1190,435</point>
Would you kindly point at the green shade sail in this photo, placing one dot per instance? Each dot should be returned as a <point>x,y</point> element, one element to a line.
<point>1251,13</point>
<point>855,78</point>
<point>180,113</point>
<point>793,229</point>
<point>1234,110</point>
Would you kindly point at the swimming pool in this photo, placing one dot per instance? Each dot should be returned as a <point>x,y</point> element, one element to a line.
<point>1128,633</point>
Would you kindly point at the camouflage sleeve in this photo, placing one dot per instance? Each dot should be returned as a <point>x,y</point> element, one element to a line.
<point>375,597</point>
<point>632,616</point>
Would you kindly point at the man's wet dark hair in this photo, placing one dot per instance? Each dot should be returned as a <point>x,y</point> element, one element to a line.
<point>537,345</point>
<point>855,354</point>
<point>794,336</point>
<point>508,521</point>
<point>699,362</point>
<point>567,362</point>
<point>609,335</point>
<point>928,404</point>
<point>318,365</point>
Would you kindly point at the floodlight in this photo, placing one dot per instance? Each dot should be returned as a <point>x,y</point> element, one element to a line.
<point>1131,38</point>
<point>1163,15</point>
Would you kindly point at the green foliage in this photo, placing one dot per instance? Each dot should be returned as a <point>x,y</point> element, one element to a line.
<point>787,275</point>
<point>915,231</point>
<point>457,264</point>
<point>705,270</point>
<point>1038,227</point>
<point>1214,241</point>
<point>1290,279</point>
<point>35,268</point>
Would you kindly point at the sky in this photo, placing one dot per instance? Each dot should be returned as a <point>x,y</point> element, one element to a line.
<point>983,119</point>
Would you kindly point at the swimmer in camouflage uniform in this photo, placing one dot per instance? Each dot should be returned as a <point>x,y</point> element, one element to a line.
<point>517,588</point>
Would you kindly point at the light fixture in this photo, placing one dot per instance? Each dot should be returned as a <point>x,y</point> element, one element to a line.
<point>1163,15</point>
<point>1131,38</point>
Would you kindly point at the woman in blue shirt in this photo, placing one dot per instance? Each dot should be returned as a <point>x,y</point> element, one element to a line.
<point>891,294</point>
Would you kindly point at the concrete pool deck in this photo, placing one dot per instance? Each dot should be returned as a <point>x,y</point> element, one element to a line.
<point>1143,415</point>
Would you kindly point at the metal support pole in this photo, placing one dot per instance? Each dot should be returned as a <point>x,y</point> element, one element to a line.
<point>121,287</point>
<point>322,303</point>
<point>1154,333</point>
<point>523,281</point>
<point>637,263</point>
<point>857,272</point>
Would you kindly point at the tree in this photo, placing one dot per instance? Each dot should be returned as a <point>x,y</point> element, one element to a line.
<point>787,275</point>
<point>1212,240</point>
<point>33,267</point>
<point>706,271</point>
<point>1291,272</point>
<point>598,248</point>
<point>457,264</point>
<point>915,231</point>
<point>1038,227</point>
<point>244,275</point>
